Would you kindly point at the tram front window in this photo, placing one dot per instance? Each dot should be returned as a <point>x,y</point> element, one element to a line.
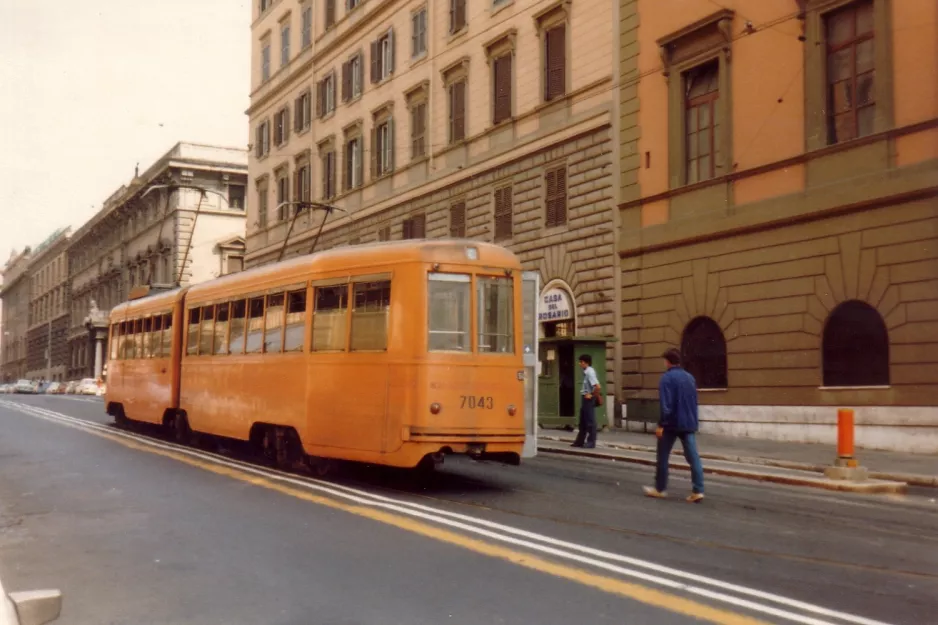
<point>448,296</point>
<point>495,302</point>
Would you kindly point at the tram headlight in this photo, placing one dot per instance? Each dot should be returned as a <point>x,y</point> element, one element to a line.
<point>435,408</point>
<point>512,411</point>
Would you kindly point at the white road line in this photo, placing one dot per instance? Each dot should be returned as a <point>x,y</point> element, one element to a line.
<point>503,533</point>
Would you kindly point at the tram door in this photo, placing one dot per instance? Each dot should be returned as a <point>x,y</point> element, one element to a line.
<point>530,288</point>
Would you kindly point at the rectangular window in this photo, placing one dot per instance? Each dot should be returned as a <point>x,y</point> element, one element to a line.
<point>192,334</point>
<point>328,175</point>
<point>351,4</point>
<point>302,112</point>
<point>457,220</point>
<point>235,197</point>
<point>556,196</point>
<point>701,128</point>
<point>501,88</point>
<point>330,318</point>
<point>281,126</point>
<point>448,295</point>
<point>265,4</point>
<point>255,332</point>
<point>329,13</point>
<point>414,227</point>
<point>503,213</point>
<point>418,130</point>
<point>167,335</point>
<point>283,196</point>
<point>284,44</point>
<point>851,99</point>
<point>265,61</point>
<point>307,25</point>
<point>222,312</point>
<point>419,34</point>
<point>236,327</point>
<point>353,163</point>
<point>296,321</point>
<point>325,96</point>
<point>146,340</point>
<point>555,62</point>
<point>382,57</point>
<point>262,139</point>
<point>495,300</point>
<point>371,303</point>
<point>384,234</point>
<point>384,148</point>
<point>457,15</point>
<point>457,111</point>
<point>273,331</point>
<point>207,331</point>
<point>301,189</point>
<point>352,78</point>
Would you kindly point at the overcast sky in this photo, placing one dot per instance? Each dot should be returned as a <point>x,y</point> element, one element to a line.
<point>90,88</point>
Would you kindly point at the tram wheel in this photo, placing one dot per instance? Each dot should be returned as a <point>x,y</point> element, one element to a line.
<point>321,467</point>
<point>120,419</point>
<point>182,433</point>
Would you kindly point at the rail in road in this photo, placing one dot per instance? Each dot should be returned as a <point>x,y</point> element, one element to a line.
<point>670,588</point>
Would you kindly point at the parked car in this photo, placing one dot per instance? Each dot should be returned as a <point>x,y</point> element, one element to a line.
<point>70,387</point>
<point>34,607</point>
<point>53,388</point>
<point>88,386</point>
<point>5,388</point>
<point>26,386</point>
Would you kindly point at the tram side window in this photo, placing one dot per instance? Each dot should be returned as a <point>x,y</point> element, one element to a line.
<point>167,335</point>
<point>371,302</point>
<point>449,312</point>
<point>236,327</point>
<point>156,337</point>
<point>221,329</point>
<point>255,341</point>
<point>115,341</point>
<point>207,330</point>
<point>192,336</point>
<point>273,326</point>
<point>495,301</point>
<point>138,339</point>
<point>127,340</point>
<point>296,321</point>
<point>330,318</point>
<point>145,338</point>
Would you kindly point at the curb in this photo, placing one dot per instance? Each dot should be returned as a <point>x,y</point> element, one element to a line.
<point>912,479</point>
<point>814,482</point>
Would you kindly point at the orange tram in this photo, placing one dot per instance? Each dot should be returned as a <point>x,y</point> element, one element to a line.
<point>393,354</point>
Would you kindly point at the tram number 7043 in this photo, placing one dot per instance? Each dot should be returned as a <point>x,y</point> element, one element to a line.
<point>472,402</point>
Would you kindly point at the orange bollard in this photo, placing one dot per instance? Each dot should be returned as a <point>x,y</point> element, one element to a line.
<point>845,437</point>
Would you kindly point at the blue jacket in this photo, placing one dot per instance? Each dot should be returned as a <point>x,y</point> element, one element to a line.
<point>678,394</point>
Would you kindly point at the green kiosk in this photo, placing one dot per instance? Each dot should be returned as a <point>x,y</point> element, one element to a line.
<point>561,378</point>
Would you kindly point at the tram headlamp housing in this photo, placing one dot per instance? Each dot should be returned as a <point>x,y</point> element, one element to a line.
<point>512,411</point>
<point>435,408</point>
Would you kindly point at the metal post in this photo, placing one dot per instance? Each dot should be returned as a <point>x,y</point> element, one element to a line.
<point>845,437</point>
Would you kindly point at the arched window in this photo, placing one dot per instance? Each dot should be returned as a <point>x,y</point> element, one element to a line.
<point>704,351</point>
<point>855,346</point>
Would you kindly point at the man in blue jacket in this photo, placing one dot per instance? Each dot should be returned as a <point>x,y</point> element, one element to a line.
<point>678,394</point>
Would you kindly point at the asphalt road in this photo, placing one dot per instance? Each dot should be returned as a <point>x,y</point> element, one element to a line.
<point>136,531</point>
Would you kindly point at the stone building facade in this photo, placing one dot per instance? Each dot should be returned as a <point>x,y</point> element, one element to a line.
<point>15,325</point>
<point>158,229</point>
<point>490,122</point>
<point>779,207</point>
<point>47,346</point>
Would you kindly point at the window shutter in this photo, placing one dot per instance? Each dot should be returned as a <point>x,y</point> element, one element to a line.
<point>330,13</point>
<point>346,82</point>
<point>503,213</point>
<point>502,107</point>
<point>551,183</point>
<point>297,114</point>
<point>457,220</point>
<point>452,16</point>
<point>375,62</point>
<point>420,226</point>
<point>286,124</point>
<point>373,159</point>
<point>391,47</point>
<point>258,147</point>
<point>555,78</point>
<point>361,161</point>
<point>391,144</point>
<point>414,35</point>
<point>407,229</point>
<point>561,182</point>
<point>460,14</point>
<point>458,92</point>
<point>319,106</point>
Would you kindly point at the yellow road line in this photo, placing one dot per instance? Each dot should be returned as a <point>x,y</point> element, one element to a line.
<point>637,592</point>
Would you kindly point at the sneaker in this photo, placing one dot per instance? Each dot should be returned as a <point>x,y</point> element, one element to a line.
<point>695,498</point>
<point>651,491</point>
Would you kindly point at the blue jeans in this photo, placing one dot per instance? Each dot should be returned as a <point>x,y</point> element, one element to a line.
<point>689,443</point>
<point>587,423</point>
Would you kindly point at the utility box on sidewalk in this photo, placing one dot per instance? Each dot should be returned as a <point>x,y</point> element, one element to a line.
<point>561,378</point>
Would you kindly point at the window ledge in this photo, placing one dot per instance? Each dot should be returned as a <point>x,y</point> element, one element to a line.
<point>462,32</point>
<point>712,390</point>
<point>303,131</point>
<point>855,388</point>
<point>420,58</point>
<point>498,7</point>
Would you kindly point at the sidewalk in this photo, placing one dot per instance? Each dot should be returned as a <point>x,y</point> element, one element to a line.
<point>731,452</point>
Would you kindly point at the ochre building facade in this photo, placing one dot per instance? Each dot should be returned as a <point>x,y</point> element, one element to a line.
<point>779,207</point>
